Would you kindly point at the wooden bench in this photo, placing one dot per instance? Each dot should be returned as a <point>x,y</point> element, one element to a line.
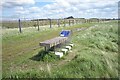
<point>53,42</point>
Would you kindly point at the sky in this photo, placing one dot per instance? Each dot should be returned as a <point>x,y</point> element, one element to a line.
<point>33,9</point>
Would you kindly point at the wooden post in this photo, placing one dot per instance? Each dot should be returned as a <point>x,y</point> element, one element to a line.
<point>45,48</point>
<point>42,23</point>
<point>38,24</point>
<point>69,22</point>
<point>98,21</point>
<point>72,22</point>
<point>20,26</point>
<point>54,49</point>
<point>58,23</point>
<point>64,23</point>
<point>50,23</point>
<point>86,20</point>
<point>76,21</point>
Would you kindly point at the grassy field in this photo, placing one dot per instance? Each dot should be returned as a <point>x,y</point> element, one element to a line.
<point>94,54</point>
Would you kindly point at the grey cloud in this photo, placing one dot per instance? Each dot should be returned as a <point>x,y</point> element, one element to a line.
<point>16,3</point>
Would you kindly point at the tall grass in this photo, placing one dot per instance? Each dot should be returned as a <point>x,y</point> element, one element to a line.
<point>96,50</point>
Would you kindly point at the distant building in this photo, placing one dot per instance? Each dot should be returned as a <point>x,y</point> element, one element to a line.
<point>70,17</point>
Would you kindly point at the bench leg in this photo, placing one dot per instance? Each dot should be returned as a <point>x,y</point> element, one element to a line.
<point>54,49</point>
<point>45,48</point>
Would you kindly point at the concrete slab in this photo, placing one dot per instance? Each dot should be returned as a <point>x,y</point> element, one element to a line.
<point>60,54</point>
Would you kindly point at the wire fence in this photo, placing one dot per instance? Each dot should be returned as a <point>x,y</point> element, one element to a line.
<point>38,23</point>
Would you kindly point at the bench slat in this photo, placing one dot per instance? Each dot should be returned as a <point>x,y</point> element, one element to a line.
<point>53,42</point>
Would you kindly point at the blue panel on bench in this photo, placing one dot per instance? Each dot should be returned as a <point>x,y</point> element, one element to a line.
<point>65,33</point>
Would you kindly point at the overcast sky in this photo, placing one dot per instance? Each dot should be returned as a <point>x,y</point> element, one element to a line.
<point>29,9</point>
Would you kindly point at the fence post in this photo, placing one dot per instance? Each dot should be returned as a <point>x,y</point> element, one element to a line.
<point>50,23</point>
<point>64,23</point>
<point>38,24</point>
<point>69,22</point>
<point>58,23</point>
<point>98,20</point>
<point>73,21</point>
<point>19,26</point>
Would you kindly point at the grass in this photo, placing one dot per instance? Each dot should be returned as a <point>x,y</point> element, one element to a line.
<point>93,59</point>
<point>95,53</point>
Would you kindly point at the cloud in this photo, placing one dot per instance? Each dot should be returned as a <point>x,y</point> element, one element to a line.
<point>94,8</point>
<point>45,1</point>
<point>34,9</point>
<point>21,11</point>
<point>14,3</point>
<point>64,8</point>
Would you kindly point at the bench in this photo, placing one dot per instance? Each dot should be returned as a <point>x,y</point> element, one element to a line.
<point>64,35</point>
<point>53,42</point>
